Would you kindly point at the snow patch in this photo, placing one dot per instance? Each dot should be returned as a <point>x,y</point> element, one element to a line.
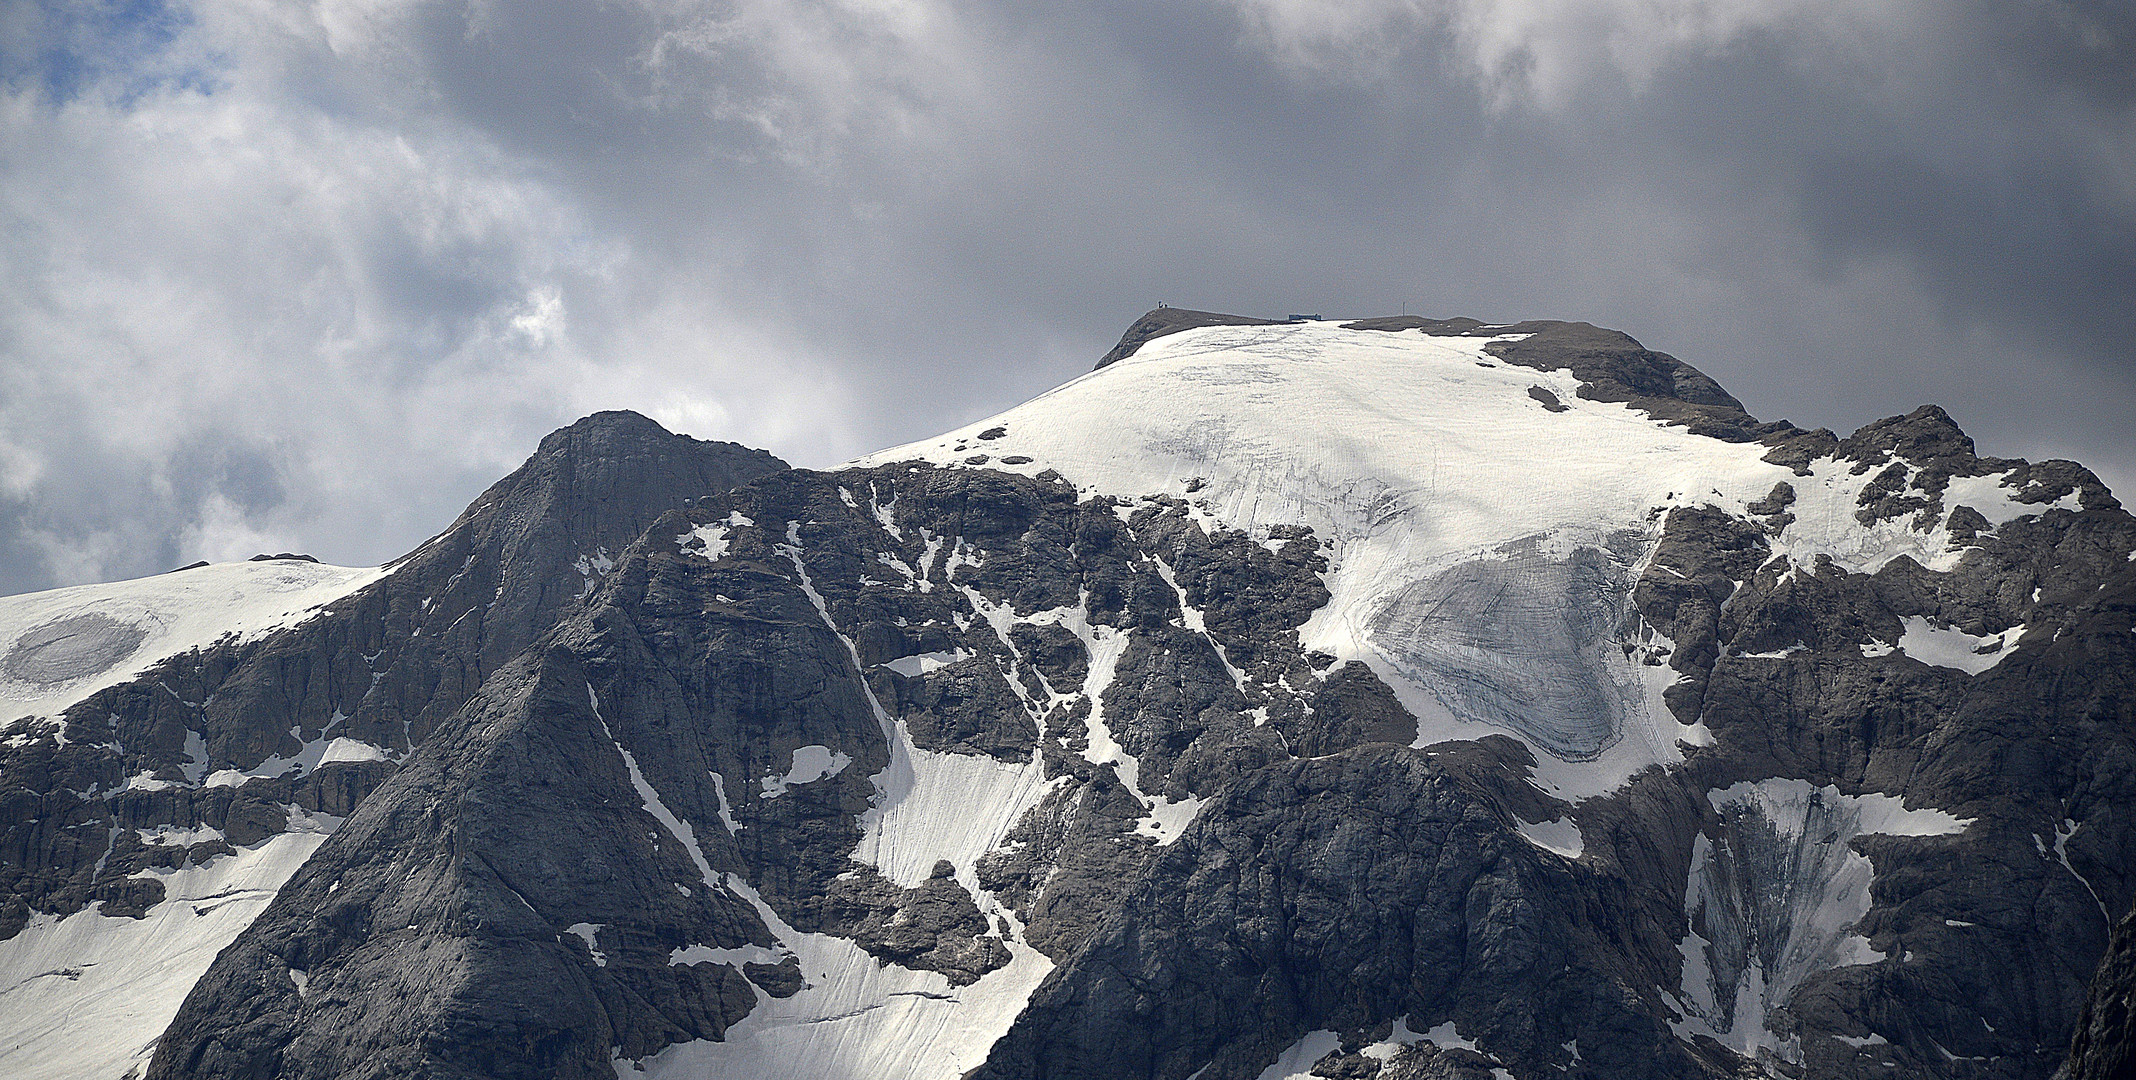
<point>857,1019</point>
<point>726,812</point>
<point>591,569</point>
<point>196,757</point>
<point>1296,1062</point>
<point>1561,836</point>
<point>589,932</point>
<point>1950,647</point>
<point>1168,819</point>
<point>919,664</point>
<point>736,957</point>
<point>2062,833</point>
<point>1775,654</point>
<point>310,756</point>
<point>346,749</point>
<point>1994,499</point>
<point>707,542</point>
<point>810,764</point>
<point>1401,1036</point>
<point>178,835</point>
<point>1447,1035</point>
<point>710,542</point>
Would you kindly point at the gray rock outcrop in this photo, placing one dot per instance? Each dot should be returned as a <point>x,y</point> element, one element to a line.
<point>626,805</point>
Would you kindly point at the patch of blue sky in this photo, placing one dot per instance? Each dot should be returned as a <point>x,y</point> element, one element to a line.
<point>120,50</point>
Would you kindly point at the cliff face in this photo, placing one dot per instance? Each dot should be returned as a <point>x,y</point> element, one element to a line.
<point>2105,1041</point>
<point>1406,698</point>
<point>146,822</point>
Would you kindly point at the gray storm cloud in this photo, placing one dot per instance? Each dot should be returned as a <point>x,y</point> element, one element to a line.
<point>284,276</point>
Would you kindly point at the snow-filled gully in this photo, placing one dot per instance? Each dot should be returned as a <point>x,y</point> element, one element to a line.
<point>1775,899</point>
<point>858,1017</point>
<point>1371,431</point>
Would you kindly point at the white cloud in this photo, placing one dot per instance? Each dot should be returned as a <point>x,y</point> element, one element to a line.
<point>383,295</point>
<point>340,263</point>
<point>226,533</point>
<point>1540,52</point>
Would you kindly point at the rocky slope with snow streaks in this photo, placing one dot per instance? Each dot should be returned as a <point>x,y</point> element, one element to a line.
<point>1401,698</point>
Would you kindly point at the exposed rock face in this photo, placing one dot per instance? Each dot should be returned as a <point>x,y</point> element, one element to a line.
<point>382,667</point>
<point>1610,366</point>
<point>421,936</point>
<point>1168,320</point>
<point>933,767</point>
<point>227,746</point>
<point>1334,893</point>
<point>2105,1042</point>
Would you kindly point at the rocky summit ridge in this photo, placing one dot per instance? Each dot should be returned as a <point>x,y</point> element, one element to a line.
<point>1394,698</point>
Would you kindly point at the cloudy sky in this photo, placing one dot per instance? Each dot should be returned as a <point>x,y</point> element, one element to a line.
<point>309,274</point>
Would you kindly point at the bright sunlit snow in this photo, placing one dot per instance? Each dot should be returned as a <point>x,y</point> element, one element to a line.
<point>60,646</point>
<point>88,995</point>
<point>858,1018</point>
<point>1432,475</point>
<point>1422,469</point>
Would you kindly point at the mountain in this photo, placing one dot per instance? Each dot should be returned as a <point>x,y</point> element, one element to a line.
<point>1399,698</point>
<point>185,742</point>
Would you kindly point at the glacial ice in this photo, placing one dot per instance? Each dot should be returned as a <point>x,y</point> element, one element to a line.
<point>60,646</point>
<point>1420,462</point>
<point>1775,898</point>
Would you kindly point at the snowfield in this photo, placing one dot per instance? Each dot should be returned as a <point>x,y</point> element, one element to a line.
<point>1482,550</point>
<point>89,995</point>
<point>60,646</point>
<point>1432,475</point>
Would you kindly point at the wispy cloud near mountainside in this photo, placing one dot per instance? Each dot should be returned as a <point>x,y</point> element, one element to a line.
<point>280,275</point>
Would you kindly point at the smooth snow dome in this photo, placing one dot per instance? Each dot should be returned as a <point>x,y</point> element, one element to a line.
<point>60,646</point>
<point>1481,546</point>
<point>1434,479</point>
